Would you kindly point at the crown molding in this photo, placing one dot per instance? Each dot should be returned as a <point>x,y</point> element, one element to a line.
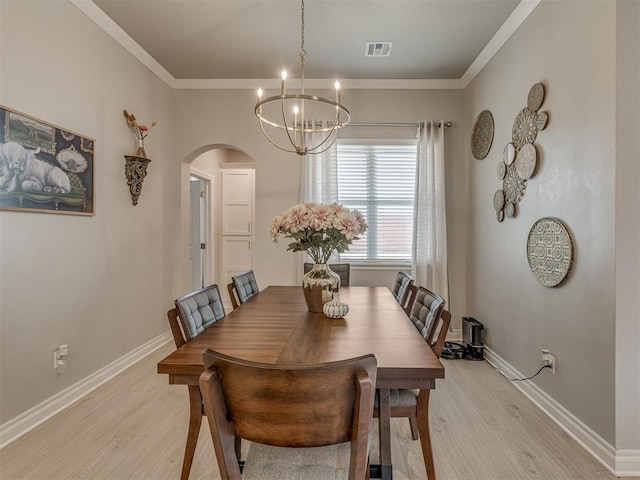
<point>102,20</point>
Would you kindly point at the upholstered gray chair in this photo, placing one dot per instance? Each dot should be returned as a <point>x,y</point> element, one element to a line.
<point>402,288</point>
<point>194,312</point>
<point>199,310</point>
<point>426,310</point>
<point>284,410</point>
<point>245,285</point>
<point>342,269</point>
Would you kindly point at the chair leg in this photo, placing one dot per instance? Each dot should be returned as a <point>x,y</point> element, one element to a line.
<point>195,420</point>
<point>413,422</point>
<point>423,428</point>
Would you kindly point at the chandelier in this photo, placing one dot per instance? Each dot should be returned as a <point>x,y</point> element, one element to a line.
<point>288,120</point>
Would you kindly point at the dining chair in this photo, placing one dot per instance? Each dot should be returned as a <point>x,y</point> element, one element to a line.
<point>414,404</point>
<point>245,285</point>
<point>342,269</point>
<point>194,312</point>
<point>413,291</point>
<point>425,310</point>
<point>402,288</point>
<point>232,295</point>
<point>286,409</point>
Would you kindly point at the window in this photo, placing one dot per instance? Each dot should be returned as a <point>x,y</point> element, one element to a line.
<point>378,178</point>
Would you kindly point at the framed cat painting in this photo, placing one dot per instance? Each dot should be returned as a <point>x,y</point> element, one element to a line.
<point>43,167</point>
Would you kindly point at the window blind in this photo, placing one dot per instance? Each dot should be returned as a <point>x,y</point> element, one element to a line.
<point>378,178</point>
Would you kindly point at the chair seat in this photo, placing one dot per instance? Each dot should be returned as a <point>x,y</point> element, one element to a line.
<point>284,463</point>
<point>401,398</point>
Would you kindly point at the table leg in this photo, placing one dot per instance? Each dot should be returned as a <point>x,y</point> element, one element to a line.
<point>195,420</point>
<point>384,432</point>
<point>423,428</point>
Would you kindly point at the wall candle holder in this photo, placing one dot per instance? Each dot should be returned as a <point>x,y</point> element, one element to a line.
<point>135,170</point>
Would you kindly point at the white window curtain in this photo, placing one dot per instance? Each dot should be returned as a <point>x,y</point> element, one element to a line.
<point>429,264</point>
<point>319,184</point>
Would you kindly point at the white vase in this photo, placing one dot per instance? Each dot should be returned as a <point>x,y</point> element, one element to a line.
<point>335,308</point>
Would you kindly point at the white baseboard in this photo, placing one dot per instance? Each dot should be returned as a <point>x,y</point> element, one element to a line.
<point>27,421</point>
<point>621,463</point>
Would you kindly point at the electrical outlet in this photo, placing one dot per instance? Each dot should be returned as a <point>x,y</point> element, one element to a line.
<point>60,355</point>
<point>549,360</point>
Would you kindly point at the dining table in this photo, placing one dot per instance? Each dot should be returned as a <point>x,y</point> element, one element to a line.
<point>275,327</point>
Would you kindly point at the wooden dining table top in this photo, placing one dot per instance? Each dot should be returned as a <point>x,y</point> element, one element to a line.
<point>275,327</point>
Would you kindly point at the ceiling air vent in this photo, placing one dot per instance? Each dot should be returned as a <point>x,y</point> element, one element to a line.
<point>378,49</point>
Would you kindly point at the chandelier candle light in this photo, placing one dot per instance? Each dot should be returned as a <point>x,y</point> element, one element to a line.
<point>319,230</point>
<point>293,113</point>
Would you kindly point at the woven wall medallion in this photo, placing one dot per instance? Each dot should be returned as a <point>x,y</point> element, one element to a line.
<point>526,161</point>
<point>525,129</point>
<point>482,135</point>
<point>549,251</point>
<point>535,97</point>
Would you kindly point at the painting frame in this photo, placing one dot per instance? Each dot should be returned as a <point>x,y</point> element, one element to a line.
<point>44,168</point>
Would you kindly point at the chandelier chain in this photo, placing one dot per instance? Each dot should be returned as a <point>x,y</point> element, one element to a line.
<point>303,52</point>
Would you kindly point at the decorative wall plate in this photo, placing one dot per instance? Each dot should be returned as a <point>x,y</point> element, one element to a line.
<point>513,186</point>
<point>526,161</point>
<point>549,251</point>
<point>509,153</point>
<point>502,170</point>
<point>482,135</point>
<point>500,215</point>
<point>498,200</point>
<point>510,210</point>
<point>541,121</point>
<point>524,128</point>
<point>535,97</point>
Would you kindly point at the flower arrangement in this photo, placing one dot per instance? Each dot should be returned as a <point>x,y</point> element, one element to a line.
<point>319,229</point>
<point>139,130</point>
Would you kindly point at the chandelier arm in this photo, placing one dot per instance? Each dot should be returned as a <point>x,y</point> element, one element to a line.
<point>286,127</point>
<point>272,142</point>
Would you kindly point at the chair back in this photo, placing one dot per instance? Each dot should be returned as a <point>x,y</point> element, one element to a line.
<point>343,270</point>
<point>442,327</point>
<point>289,406</point>
<point>176,330</point>
<point>232,295</point>
<point>245,285</point>
<point>425,312</point>
<point>402,288</point>
<point>199,310</point>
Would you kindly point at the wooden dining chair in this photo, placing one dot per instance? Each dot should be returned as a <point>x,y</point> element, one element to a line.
<point>245,286</point>
<point>425,310</point>
<point>402,288</point>
<point>194,312</point>
<point>283,408</point>
<point>232,295</point>
<point>414,404</point>
<point>343,270</point>
<point>413,291</point>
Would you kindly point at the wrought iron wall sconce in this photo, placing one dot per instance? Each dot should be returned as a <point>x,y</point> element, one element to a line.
<point>135,168</point>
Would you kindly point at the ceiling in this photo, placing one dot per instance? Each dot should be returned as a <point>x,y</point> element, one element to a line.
<point>218,40</point>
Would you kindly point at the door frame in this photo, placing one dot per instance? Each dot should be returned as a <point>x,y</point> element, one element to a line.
<point>211,260</point>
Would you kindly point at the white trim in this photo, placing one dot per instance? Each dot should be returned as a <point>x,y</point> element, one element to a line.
<point>621,463</point>
<point>103,21</point>
<point>517,18</point>
<point>22,424</point>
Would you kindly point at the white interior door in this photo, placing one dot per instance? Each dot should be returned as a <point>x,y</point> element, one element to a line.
<point>237,202</point>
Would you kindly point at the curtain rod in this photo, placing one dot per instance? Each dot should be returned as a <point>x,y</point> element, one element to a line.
<point>406,125</point>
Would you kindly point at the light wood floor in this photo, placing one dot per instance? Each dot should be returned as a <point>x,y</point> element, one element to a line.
<point>134,427</point>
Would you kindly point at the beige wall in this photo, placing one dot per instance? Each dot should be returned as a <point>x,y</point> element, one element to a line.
<point>100,284</point>
<point>226,117</point>
<point>570,47</point>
